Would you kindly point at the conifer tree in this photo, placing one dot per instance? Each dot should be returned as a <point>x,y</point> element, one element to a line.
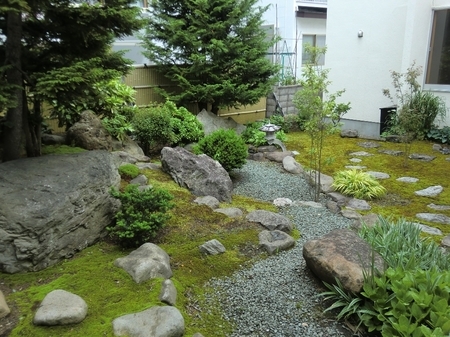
<point>214,50</point>
<point>54,47</point>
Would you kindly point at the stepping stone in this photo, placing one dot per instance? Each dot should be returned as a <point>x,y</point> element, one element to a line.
<point>212,247</point>
<point>232,212</point>
<point>431,191</point>
<point>282,202</point>
<point>369,145</point>
<point>355,160</point>
<point>379,175</point>
<point>432,217</point>
<point>447,159</point>
<point>391,152</point>
<point>428,229</point>
<point>407,179</point>
<point>358,204</point>
<point>421,157</point>
<point>355,167</point>
<point>275,241</point>
<point>308,204</point>
<point>439,207</point>
<point>361,154</point>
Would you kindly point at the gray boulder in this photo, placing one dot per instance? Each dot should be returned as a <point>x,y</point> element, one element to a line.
<point>349,133</point>
<point>60,307</point>
<point>168,293</point>
<point>89,133</point>
<point>212,122</point>
<point>53,206</point>
<point>270,220</point>
<point>147,262</point>
<point>277,156</point>
<point>200,174</point>
<point>130,158</point>
<point>326,181</point>
<point>48,139</point>
<point>231,212</point>
<point>291,165</point>
<point>209,201</point>
<point>212,247</point>
<point>154,322</point>
<point>358,204</point>
<point>275,241</point>
<point>341,254</point>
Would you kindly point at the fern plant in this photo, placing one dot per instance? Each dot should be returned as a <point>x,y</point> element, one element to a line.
<point>358,184</point>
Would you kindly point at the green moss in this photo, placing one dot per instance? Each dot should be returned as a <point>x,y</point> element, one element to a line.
<point>60,149</point>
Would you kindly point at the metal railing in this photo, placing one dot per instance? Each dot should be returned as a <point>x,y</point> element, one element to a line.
<point>311,2</point>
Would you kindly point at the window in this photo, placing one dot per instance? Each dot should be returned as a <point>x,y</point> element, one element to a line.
<point>315,41</point>
<point>438,70</point>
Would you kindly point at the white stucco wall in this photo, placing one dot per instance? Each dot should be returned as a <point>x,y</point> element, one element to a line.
<point>395,34</point>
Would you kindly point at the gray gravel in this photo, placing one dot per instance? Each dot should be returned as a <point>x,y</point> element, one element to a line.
<point>277,296</point>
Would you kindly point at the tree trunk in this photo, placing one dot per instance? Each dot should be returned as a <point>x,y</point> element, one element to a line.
<point>12,132</point>
<point>32,129</point>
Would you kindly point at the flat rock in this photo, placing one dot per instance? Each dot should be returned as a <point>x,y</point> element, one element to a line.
<point>341,254</point>
<point>392,152</point>
<point>432,217</point>
<point>212,247</point>
<point>349,133</point>
<point>60,307</point>
<point>168,293</point>
<point>282,202</point>
<point>291,165</point>
<point>358,204</point>
<point>140,180</point>
<point>429,229</point>
<point>208,200</point>
<point>355,167</point>
<point>350,214</point>
<point>439,207</point>
<point>277,156</point>
<point>339,198</point>
<point>147,262</point>
<point>275,241</point>
<point>148,166</point>
<point>431,191</point>
<point>333,206</point>
<point>231,212</point>
<point>355,160</point>
<point>369,145</point>
<point>308,204</point>
<point>128,158</point>
<point>270,220</point>
<point>446,242</point>
<point>361,154</point>
<point>326,181</point>
<point>368,220</point>
<point>379,175</point>
<point>421,157</point>
<point>154,322</point>
<point>4,309</point>
<point>407,179</point>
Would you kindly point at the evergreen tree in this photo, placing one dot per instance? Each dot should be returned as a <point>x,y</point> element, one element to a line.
<point>214,50</point>
<point>55,50</point>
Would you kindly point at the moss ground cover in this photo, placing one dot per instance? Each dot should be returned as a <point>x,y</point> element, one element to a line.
<point>400,200</point>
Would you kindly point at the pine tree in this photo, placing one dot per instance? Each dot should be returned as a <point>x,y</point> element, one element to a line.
<point>214,50</point>
<point>54,49</point>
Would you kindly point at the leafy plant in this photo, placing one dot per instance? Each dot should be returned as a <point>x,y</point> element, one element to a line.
<point>358,184</point>
<point>225,146</point>
<point>317,106</point>
<point>152,128</point>
<point>442,135</point>
<point>117,126</point>
<point>254,136</point>
<point>185,126</point>
<point>128,171</point>
<point>142,214</point>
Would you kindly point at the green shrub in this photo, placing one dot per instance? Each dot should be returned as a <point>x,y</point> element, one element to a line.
<point>142,214</point>
<point>225,146</point>
<point>128,171</point>
<point>117,126</point>
<point>185,126</point>
<point>440,135</point>
<point>357,184</point>
<point>253,136</point>
<point>152,128</point>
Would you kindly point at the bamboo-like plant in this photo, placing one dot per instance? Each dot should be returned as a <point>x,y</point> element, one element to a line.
<point>358,184</point>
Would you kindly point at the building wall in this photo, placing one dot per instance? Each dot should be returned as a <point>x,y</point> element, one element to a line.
<point>395,33</point>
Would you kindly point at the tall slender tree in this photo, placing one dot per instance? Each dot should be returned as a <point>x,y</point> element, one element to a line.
<point>214,50</point>
<point>45,40</point>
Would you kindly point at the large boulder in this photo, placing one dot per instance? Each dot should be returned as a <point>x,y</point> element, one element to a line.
<point>89,133</point>
<point>212,122</point>
<point>200,174</point>
<point>53,206</point>
<point>341,254</point>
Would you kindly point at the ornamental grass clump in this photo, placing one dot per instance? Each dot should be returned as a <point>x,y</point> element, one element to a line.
<point>358,184</point>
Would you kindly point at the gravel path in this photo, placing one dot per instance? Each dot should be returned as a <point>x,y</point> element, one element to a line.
<point>277,297</point>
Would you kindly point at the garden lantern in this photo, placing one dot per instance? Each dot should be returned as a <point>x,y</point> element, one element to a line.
<point>270,130</point>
